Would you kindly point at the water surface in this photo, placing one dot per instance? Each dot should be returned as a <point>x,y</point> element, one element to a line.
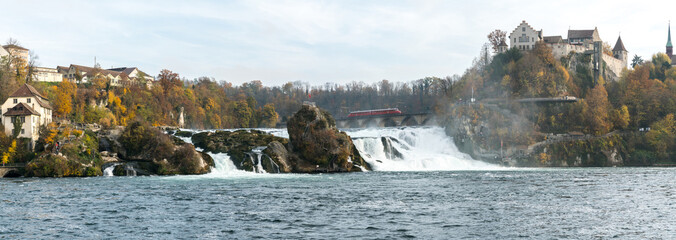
<point>629,203</point>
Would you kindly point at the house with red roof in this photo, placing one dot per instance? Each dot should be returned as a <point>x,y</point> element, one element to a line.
<point>29,108</point>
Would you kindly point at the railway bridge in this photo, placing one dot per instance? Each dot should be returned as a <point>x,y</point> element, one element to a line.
<point>389,120</point>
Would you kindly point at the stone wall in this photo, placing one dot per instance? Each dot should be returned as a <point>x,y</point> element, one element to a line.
<point>613,68</point>
<point>563,49</point>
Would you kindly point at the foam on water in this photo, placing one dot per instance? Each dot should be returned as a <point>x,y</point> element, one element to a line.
<point>413,149</point>
<point>385,149</point>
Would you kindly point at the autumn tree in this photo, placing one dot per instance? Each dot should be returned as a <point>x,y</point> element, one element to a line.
<point>65,92</point>
<point>496,37</point>
<point>620,117</point>
<point>661,63</point>
<point>268,116</point>
<point>598,110</point>
<point>662,135</point>
<point>168,80</point>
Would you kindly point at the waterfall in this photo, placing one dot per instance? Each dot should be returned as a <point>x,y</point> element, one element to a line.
<point>412,149</point>
<point>108,172</point>
<point>385,149</point>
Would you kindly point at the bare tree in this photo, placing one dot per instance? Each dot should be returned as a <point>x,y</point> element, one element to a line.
<point>496,37</point>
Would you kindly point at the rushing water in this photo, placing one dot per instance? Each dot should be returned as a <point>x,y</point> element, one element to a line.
<point>635,203</point>
<point>469,199</point>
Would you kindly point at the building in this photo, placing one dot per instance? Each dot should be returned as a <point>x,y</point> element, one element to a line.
<point>84,74</point>
<point>619,52</point>
<point>117,76</point>
<point>586,42</point>
<point>524,36</point>
<point>584,37</point>
<point>16,51</point>
<point>43,74</point>
<point>3,52</point>
<point>670,48</point>
<point>134,74</point>
<point>502,47</point>
<point>28,107</point>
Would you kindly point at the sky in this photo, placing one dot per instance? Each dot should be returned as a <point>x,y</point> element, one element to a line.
<point>317,41</point>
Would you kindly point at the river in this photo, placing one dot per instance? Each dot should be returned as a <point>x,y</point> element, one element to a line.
<point>461,199</point>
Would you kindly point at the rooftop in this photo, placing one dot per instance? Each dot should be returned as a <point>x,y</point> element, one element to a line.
<point>21,109</point>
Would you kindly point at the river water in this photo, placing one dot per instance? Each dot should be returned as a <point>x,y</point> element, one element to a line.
<point>472,200</point>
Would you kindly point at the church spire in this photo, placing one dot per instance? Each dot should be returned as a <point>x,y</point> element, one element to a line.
<point>669,39</point>
<point>670,49</point>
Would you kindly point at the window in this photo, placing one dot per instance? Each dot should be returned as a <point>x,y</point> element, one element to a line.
<point>23,119</point>
<point>29,100</point>
<point>16,100</point>
<point>523,29</point>
<point>22,131</point>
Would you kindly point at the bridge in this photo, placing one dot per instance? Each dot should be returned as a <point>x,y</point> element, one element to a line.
<point>11,170</point>
<point>390,120</point>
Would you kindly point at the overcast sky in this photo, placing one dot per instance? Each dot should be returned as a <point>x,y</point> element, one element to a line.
<point>312,41</point>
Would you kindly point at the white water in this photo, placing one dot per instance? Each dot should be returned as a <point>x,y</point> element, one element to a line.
<point>419,148</point>
<point>108,172</point>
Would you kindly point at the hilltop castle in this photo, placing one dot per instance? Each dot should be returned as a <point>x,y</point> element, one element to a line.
<point>524,37</point>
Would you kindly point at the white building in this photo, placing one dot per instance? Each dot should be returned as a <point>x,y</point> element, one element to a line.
<point>16,51</point>
<point>3,52</point>
<point>43,74</point>
<point>524,37</point>
<point>28,107</point>
<point>117,76</point>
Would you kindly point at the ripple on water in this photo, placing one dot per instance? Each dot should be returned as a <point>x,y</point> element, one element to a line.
<point>559,203</point>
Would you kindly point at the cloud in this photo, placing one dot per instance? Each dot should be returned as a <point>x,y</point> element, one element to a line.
<point>314,41</point>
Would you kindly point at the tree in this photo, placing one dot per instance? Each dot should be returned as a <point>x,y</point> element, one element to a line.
<point>7,155</point>
<point>599,108</point>
<point>661,63</point>
<point>64,96</point>
<point>168,80</point>
<point>496,37</point>
<point>662,135</point>
<point>269,116</point>
<point>620,117</point>
<point>636,61</point>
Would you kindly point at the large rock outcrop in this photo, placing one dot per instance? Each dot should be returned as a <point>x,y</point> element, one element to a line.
<point>317,145</point>
<point>150,151</point>
<point>246,148</point>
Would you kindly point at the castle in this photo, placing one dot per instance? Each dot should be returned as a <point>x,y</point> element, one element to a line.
<point>524,37</point>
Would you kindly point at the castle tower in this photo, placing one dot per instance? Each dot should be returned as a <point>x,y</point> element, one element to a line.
<point>620,52</point>
<point>669,47</point>
<point>502,48</point>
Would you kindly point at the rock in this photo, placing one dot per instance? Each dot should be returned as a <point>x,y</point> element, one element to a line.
<point>318,146</point>
<point>239,145</point>
<point>158,153</point>
<point>183,133</point>
<point>57,165</point>
<point>279,154</point>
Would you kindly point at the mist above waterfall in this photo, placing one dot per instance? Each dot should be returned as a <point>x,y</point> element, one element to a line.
<point>413,149</point>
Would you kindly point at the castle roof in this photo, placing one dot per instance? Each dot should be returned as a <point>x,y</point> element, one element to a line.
<point>580,34</point>
<point>553,39</point>
<point>21,109</point>
<point>619,46</point>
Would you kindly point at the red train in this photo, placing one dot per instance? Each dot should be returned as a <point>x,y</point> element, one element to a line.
<point>386,111</point>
